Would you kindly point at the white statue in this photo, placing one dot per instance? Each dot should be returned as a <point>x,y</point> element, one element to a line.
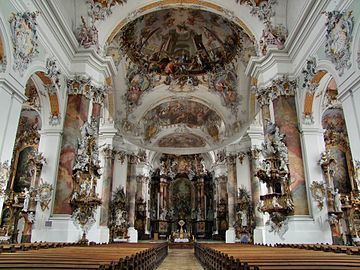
<point>163,214</point>
<point>243,216</point>
<point>275,203</point>
<point>26,200</point>
<point>337,201</point>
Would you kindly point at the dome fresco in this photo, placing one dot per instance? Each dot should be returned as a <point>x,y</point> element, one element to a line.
<point>173,41</point>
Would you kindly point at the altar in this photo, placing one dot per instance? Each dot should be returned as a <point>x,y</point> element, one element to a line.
<point>181,236</point>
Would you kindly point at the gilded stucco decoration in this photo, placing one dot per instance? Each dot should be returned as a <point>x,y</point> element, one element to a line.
<point>86,172</point>
<point>274,172</point>
<point>318,192</point>
<point>119,216</point>
<point>100,9</point>
<point>282,86</point>
<point>25,39</point>
<point>43,195</point>
<point>4,176</point>
<point>338,38</point>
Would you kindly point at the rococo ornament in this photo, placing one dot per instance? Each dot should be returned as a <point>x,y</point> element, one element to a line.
<point>100,9</point>
<point>263,8</point>
<point>318,192</point>
<point>86,172</point>
<point>44,193</point>
<point>87,35</point>
<point>338,38</point>
<point>4,176</point>
<point>25,39</point>
<point>53,71</point>
<point>273,37</point>
<point>309,72</point>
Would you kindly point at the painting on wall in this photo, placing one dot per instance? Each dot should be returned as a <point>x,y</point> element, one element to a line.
<point>286,119</point>
<point>23,173</point>
<point>76,115</point>
<point>336,141</point>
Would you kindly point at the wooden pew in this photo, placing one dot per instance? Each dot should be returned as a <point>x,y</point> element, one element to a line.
<point>108,256</point>
<point>224,256</point>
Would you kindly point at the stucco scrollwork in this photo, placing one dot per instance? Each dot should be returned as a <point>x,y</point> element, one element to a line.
<point>25,39</point>
<point>44,193</point>
<point>338,38</point>
<point>4,176</point>
<point>318,192</point>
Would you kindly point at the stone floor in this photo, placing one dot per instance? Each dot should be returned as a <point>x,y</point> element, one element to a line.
<point>180,259</point>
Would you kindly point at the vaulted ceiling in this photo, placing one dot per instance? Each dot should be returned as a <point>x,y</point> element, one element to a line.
<point>182,87</point>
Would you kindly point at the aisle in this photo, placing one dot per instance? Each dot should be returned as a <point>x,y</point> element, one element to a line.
<point>180,259</point>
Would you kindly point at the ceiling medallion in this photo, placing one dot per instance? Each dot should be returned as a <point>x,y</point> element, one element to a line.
<point>338,38</point>
<point>24,38</point>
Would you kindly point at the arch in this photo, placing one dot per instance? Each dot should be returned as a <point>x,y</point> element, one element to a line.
<point>5,40</point>
<point>355,55</point>
<point>324,70</point>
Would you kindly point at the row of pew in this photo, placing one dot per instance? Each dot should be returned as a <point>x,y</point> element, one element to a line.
<point>262,257</point>
<point>124,256</point>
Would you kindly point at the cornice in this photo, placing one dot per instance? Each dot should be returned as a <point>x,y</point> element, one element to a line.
<point>12,86</point>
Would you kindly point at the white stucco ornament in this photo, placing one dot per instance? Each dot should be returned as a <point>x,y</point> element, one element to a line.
<point>25,39</point>
<point>338,39</point>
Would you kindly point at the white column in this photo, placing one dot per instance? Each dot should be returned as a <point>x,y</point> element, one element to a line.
<point>350,102</point>
<point>313,145</point>
<point>243,173</point>
<point>11,100</point>
<point>50,146</point>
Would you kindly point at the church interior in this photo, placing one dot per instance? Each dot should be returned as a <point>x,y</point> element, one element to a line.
<point>149,128</point>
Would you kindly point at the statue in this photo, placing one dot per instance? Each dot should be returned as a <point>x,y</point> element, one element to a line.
<point>337,201</point>
<point>275,203</point>
<point>26,200</point>
<point>163,214</point>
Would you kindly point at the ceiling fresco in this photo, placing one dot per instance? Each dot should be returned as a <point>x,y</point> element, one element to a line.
<point>182,72</point>
<point>189,113</point>
<point>181,141</point>
<point>178,41</point>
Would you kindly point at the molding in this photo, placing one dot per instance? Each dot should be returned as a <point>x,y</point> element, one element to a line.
<point>12,87</point>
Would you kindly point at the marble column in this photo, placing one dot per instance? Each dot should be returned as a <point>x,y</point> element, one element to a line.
<point>106,191</point>
<point>77,112</point>
<point>130,194</point>
<point>231,191</point>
